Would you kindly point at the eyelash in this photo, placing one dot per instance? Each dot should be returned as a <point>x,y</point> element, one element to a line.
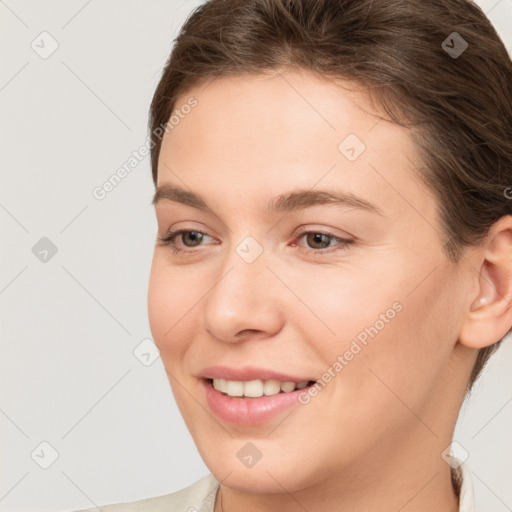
<point>169,241</point>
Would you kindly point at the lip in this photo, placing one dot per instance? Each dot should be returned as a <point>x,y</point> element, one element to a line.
<point>248,411</point>
<point>250,373</point>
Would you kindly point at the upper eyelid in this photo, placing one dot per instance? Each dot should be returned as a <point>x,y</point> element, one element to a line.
<point>302,230</point>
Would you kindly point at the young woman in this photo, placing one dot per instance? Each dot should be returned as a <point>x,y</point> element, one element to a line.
<point>333,264</point>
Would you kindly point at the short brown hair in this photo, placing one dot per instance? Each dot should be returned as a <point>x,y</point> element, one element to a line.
<point>400,50</point>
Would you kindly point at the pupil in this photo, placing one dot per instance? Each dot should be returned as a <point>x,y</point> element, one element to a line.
<point>317,238</point>
<point>194,235</point>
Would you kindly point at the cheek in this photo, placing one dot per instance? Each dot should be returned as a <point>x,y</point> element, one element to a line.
<point>170,308</point>
<point>157,303</point>
<point>343,305</point>
<point>404,357</point>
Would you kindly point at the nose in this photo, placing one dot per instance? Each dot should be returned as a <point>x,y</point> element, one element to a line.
<point>244,302</point>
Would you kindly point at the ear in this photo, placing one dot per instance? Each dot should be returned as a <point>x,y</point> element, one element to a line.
<point>489,317</point>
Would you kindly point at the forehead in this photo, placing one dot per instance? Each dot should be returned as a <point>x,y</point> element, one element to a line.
<point>261,135</point>
<point>295,106</point>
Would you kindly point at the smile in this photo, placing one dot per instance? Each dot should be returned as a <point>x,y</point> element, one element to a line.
<point>251,402</point>
<point>256,388</point>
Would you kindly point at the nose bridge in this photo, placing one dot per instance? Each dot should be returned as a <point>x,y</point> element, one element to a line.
<point>242,297</point>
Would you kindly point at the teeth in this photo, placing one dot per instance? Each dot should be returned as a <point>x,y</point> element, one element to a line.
<point>253,388</point>
<point>256,388</point>
<point>271,387</point>
<point>287,386</point>
<point>220,385</point>
<point>234,388</point>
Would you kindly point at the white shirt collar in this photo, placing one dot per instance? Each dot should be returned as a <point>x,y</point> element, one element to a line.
<point>467,495</point>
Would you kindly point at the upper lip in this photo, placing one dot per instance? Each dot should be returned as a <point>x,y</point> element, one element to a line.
<point>249,373</point>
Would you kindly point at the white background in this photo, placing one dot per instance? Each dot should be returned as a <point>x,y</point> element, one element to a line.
<point>70,325</point>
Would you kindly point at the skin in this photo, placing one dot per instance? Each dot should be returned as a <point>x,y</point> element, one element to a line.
<point>372,439</point>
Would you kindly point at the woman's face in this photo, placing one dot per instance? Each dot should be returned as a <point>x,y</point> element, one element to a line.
<point>288,283</point>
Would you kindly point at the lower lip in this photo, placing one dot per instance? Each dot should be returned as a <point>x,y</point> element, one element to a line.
<point>248,411</point>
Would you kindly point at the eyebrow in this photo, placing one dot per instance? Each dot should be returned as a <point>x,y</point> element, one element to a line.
<point>291,201</point>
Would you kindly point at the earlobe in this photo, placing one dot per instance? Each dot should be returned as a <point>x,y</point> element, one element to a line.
<point>489,316</point>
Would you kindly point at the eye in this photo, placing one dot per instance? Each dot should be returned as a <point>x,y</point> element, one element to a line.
<point>170,240</point>
<point>318,241</point>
